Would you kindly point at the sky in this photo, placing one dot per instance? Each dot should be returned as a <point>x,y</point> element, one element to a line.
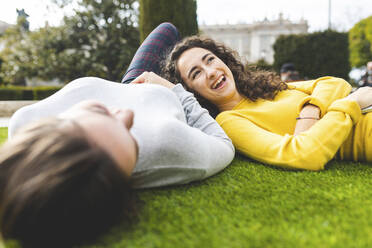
<point>344,13</point>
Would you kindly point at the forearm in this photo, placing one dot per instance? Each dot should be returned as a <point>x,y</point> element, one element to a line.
<point>308,116</point>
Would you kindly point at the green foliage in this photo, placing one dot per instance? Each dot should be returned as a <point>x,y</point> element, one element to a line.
<point>10,94</point>
<point>98,40</point>
<point>360,42</point>
<point>13,55</point>
<point>260,65</point>
<point>3,138</point>
<point>42,92</point>
<point>181,13</point>
<point>102,38</point>
<point>1,63</point>
<point>26,93</point>
<point>314,55</point>
<point>38,54</point>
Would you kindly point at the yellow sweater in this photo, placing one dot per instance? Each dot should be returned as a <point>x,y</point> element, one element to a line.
<point>263,130</point>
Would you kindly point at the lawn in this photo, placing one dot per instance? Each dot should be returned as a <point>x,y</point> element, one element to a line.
<point>255,205</point>
<point>3,134</point>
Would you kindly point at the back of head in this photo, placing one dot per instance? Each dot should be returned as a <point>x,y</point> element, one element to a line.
<point>287,67</point>
<point>288,73</point>
<point>56,188</point>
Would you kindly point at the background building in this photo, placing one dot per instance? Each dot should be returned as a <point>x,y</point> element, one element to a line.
<point>254,41</point>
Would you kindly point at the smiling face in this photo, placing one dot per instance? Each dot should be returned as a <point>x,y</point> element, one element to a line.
<point>108,129</point>
<point>205,73</point>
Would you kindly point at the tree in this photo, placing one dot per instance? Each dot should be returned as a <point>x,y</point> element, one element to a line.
<point>102,38</point>
<point>13,55</point>
<point>360,42</point>
<point>314,55</point>
<point>98,40</point>
<point>182,13</point>
<point>46,53</point>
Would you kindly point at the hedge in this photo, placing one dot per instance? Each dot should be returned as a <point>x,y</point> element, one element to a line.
<point>314,55</point>
<point>8,93</point>
<point>260,65</point>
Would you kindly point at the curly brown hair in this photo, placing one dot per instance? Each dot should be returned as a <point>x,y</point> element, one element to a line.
<point>250,82</point>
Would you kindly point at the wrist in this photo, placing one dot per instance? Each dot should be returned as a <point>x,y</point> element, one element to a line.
<point>307,118</point>
<point>310,111</point>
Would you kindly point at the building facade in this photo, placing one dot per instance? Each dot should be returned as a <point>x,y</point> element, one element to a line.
<point>254,41</point>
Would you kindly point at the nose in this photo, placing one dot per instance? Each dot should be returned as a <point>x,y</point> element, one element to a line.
<point>125,116</point>
<point>211,72</point>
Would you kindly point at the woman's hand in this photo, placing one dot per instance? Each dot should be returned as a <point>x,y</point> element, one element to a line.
<point>152,78</point>
<point>363,96</point>
<point>310,114</point>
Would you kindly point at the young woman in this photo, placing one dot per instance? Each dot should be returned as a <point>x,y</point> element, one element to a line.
<point>298,125</point>
<point>68,177</point>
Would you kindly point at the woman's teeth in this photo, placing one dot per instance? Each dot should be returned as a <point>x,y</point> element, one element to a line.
<point>218,83</point>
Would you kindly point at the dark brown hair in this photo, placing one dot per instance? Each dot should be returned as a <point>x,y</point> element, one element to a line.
<point>56,189</point>
<point>250,82</point>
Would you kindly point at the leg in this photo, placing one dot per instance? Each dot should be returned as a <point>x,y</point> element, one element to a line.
<point>149,54</point>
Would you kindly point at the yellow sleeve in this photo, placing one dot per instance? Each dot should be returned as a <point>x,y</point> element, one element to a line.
<point>322,91</point>
<point>309,150</point>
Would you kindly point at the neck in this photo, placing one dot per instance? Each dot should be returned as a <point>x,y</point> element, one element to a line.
<point>230,103</point>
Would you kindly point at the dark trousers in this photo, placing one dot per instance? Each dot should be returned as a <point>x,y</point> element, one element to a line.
<point>152,51</point>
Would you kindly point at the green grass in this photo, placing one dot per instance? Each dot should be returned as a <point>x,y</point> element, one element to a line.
<point>255,205</point>
<point>3,134</point>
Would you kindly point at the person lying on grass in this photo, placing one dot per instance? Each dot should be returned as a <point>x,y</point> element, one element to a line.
<point>300,125</point>
<point>71,161</point>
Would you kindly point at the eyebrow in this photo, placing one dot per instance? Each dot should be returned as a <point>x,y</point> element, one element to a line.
<point>194,67</point>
